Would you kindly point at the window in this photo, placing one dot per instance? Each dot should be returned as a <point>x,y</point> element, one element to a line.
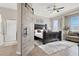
<point>74,24</point>
<point>55,25</point>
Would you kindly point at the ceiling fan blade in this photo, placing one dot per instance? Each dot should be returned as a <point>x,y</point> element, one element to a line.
<point>61,8</point>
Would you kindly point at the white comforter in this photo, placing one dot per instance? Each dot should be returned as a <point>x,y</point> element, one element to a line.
<point>39,34</point>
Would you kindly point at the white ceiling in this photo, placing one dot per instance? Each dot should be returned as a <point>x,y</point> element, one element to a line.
<point>9,5</point>
<point>41,8</point>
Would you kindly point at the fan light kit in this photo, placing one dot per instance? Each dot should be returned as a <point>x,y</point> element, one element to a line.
<point>55,8</point>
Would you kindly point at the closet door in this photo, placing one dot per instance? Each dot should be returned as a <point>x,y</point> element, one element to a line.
<point>27,30</point>
<point>11,30</point>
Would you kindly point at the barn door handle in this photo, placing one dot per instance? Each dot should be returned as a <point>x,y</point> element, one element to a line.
<point>25,31</point>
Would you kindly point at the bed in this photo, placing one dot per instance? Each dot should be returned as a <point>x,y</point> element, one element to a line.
<point>39,30</point>
<point>39,33</point>
<point>43,34</point>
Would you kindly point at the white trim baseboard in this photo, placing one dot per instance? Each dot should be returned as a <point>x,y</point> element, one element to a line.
<point>18,53</point>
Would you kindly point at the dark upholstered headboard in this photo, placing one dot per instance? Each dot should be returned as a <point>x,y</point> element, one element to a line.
<point>40,26</point>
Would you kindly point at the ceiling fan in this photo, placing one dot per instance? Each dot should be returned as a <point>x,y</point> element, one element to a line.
<point>55,8</point>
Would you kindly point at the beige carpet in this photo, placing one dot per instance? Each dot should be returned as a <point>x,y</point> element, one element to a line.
<point>55,47</point>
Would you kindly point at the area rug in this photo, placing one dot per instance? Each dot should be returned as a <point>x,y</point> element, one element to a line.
<point>54,47</point>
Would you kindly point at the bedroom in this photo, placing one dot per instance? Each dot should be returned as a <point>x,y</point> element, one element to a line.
<point>42,29</point>
<point>58,21</point>
<point>57,27</point>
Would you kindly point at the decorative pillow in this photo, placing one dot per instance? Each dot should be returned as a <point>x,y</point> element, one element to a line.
<point>72,34</point>
<point>38,30</point>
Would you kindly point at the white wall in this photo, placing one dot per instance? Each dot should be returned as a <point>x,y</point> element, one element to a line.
<point>59,20</point>
<point>8,14</point>
<point>43,20</point>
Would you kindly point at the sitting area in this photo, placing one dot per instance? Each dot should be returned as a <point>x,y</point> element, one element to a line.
<point>73,36</point>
